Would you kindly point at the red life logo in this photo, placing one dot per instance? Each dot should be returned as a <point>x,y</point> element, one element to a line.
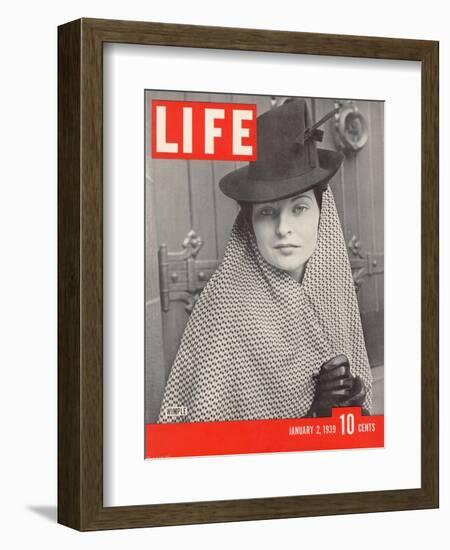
<point>203,131</point>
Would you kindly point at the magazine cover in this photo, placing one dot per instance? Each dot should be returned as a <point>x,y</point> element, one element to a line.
<point>264,274</point>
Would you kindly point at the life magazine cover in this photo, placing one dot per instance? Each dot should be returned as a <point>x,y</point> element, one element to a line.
<point>264,274</point>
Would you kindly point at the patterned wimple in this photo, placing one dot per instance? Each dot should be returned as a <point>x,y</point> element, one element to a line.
<point>257,337</point>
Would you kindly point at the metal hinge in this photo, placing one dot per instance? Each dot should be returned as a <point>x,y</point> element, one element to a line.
<point>363,264</point>
<point>181,275</point>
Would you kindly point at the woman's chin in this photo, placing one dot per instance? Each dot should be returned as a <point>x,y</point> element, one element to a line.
<point>292,268</point>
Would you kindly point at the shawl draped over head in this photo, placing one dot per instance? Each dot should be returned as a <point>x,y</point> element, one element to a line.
<point>257,338</point>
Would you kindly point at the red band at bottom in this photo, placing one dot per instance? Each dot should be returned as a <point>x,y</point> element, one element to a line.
<point>347,428</point>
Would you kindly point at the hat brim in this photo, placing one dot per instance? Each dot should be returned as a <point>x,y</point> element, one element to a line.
<point>239,187</point>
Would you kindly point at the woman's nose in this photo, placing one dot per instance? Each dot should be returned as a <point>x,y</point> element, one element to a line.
<point>283,226</point>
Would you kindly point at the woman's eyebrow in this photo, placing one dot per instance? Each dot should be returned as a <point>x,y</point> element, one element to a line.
<point>302,195</point>
<point>292,199</point>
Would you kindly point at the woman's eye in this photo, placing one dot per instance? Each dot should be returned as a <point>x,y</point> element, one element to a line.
<point>299,208</point>
<point>267,212</point>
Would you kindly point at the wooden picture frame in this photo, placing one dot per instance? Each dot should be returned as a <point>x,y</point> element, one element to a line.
<point>80,272</point>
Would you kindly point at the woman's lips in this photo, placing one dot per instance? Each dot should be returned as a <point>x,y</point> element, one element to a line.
<point>286,249</point>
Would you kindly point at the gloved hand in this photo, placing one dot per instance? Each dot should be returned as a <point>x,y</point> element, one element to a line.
<point>336,387</point>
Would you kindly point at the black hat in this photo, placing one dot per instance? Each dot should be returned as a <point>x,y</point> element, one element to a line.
<point>288,161</point>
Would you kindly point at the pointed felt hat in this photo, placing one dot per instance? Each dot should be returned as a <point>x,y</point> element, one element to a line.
<point>288,161</point>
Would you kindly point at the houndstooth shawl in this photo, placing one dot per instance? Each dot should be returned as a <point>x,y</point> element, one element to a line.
<point>257,337</point>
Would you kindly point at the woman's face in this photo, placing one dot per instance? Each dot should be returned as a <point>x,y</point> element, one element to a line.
<point>286,231</point>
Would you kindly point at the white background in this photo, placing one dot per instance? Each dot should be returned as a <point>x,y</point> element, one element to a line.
<point>28,275</point>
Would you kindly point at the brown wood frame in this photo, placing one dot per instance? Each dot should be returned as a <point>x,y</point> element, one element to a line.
<point>80,273</point>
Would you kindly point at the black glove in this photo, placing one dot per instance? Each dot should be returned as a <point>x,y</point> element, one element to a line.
<point>336,387</point>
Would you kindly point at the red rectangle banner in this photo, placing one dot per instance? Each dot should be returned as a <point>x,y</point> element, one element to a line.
<point>203,130</point>
<point>347,428</point>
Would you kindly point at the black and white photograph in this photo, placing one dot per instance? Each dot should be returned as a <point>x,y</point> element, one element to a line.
<point>264,283</point>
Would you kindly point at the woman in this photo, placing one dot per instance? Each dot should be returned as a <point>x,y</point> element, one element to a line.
<point>276,332</point>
